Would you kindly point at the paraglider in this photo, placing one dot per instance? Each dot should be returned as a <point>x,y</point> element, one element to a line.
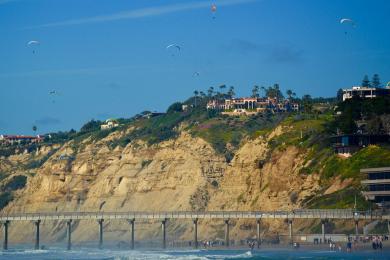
<point>213,10</point>
<point>33,44</point>
<point>173,48</point>
<point>347,21</point>
<point>53,93</point>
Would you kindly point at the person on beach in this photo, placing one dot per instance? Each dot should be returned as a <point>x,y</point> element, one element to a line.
<point>349,246</point>
<point>252,245</point>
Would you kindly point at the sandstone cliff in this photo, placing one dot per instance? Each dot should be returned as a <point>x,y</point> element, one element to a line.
<point>184,173</point>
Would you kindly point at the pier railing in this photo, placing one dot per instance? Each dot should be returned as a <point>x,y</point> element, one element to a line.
<point>294,214</point>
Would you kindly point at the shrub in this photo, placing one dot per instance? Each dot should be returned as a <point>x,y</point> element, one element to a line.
<point>3,175</point>
<point>5,198</point>
<point>340,200</point>
<point>91,126</point>
<point>16,183</point>
<point>175,107</point>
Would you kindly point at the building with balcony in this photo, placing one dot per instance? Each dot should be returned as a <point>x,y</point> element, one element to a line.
<point>252,105</point>
<point>377,185</point>
<point>347,144</point>
<point>365,92</point>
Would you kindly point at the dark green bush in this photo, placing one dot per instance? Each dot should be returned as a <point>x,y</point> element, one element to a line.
<point>16,183</point>
<point>175,107</point>
<point>5,198</point>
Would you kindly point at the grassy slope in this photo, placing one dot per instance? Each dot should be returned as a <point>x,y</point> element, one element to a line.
<point>311,134</point>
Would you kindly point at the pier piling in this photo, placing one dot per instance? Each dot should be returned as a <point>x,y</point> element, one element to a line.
<point>131,221</point>
<point>5,242</point>
<point>164,238</point>
<point>195,233</point>
<point>290,229</point>
<point>227,232</point>
<point>100,221</point>
<point>37,223</point>
<point>69,234</point>
<point>323,221</point>
<point>258,222</point>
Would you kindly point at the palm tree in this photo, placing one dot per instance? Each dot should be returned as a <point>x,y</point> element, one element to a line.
<point>277,91</point>
<point>263,89</point>
<point>202,94</point>
<point>307,103</point>
<point>231,93</point>
<point>210,92</point>
<point>196,93</point>
<point>289,93</point>
<point>34,128</point>
<point>255,91</point>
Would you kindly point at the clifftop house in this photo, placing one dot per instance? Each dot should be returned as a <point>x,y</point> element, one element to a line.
<point>19,139</point>
<point>110,123</point>
<point>251,105</point>
<point>365,92</point>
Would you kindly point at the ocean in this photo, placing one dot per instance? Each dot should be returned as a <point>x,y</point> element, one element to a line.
<point>95,254</point>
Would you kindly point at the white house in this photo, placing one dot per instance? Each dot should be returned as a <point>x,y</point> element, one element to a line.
<point>110,123</point>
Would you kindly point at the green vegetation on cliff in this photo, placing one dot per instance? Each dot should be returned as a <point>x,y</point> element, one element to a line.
<point>371,156</point>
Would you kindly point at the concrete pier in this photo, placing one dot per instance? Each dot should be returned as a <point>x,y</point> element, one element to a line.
<point>195,221</point>
<point>69,234</point>
<point>131,222</point>
<point>37,223</point>
<point>227,232</point>
<point>100,221</point>
<point>304,214</point>
<point>164,237</point>
<point>290,229</point>
<point>258,222</point>
<point>5,242</point>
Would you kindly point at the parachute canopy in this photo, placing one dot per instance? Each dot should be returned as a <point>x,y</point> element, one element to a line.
<point>173,46</point>
<point>347,21</point>
<point>213,8</point>
<point>33,43</point>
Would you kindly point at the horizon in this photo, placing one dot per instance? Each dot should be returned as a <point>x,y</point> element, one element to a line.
<point>103,59</point>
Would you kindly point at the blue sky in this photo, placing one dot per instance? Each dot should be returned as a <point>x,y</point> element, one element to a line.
<point>107,58</point>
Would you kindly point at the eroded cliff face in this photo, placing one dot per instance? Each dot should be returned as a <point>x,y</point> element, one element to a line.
<point>181,174</point>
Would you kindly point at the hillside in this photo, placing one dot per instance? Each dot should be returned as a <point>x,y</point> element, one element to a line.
<point>186,160</point>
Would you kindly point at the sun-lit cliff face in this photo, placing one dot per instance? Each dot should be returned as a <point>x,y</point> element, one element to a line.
<point>183,174</point>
